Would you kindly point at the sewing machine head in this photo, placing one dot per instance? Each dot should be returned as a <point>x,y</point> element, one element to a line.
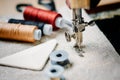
<point>78,21</point>
<point>76,6</point>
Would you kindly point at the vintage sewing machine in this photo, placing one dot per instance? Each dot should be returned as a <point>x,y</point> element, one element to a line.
<point>78,21</point>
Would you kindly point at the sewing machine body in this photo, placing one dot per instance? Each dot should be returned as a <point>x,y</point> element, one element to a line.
<point>78,22</point>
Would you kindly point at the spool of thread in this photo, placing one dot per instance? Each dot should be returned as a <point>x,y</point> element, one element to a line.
<point>46,16</point>
<point>55,72</point>
<point>46,29</point>
<point>59,57</point>
<point>19,32</point>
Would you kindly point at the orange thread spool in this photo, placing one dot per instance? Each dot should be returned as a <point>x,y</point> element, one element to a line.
<point>17,32</point>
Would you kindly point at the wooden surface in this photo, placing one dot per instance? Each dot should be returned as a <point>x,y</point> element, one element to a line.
<point>80,4</point>
<point>100,61</point>
<point>106,2</point>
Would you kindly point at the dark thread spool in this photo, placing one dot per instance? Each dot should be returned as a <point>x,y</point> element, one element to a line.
<point>60,57</point>
<point>45,29</point>
<point>47,16</point>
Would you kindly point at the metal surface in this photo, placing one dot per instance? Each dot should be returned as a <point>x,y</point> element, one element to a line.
<point>78,27</point>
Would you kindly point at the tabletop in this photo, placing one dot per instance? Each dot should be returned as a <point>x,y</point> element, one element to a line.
<point>100,61</point>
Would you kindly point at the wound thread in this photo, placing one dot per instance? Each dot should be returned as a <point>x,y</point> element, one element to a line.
<point>46,16</point>
<point>18,32</point>
<point>40,25</point>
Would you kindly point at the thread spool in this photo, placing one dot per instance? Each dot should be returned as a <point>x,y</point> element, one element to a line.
<point>55,72</point>
<point>46,29</point>
<point>19,32</point>
<point>50,17</point>
<point>60,57</point>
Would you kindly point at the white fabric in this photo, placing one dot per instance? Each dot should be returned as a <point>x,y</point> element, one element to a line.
<point>33,58</point>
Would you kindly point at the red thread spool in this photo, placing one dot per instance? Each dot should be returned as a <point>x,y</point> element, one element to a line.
<point>35,14</point>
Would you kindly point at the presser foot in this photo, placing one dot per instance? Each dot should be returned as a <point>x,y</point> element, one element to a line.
<point>79,50</point>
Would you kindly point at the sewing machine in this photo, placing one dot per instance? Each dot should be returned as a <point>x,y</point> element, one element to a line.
<point>78,21</point>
